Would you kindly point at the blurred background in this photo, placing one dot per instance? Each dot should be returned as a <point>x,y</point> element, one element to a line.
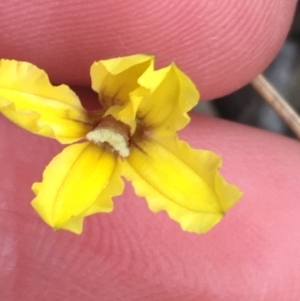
<point>247,107</point>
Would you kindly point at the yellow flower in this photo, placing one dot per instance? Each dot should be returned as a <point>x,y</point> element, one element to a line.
<point>133,135</point>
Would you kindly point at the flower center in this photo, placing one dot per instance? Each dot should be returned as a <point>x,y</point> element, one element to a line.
<point>113,133</point>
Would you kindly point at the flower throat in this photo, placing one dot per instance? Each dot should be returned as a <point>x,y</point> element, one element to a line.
<point>112,133</point>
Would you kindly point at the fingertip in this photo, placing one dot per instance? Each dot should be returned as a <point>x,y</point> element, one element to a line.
<point>220,45</point>
<point>133,248</point>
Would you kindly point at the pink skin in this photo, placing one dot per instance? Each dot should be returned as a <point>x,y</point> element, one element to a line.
<point>133,254</point>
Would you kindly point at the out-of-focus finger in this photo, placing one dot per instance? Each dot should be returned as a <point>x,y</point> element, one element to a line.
<point>222,45</point>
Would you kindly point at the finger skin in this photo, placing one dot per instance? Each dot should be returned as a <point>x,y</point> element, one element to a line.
<point>222,45</point>
<point>133,254</point>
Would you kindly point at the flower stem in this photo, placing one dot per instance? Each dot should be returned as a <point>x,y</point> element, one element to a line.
<point>278,103</point>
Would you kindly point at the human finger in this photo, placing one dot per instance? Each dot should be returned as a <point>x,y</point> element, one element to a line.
<point>133,254</point>
<point>222,45</point>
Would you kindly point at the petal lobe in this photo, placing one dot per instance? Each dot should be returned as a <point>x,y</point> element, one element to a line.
<point>182,181</point>
<point>78,182</point>
<point>171,95</point>
<point>28,99</point>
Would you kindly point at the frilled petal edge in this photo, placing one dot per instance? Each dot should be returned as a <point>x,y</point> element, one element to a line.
<point>114,79</point>
<point>29,100</point>
<point>180,180</point>
<point>171,95</point>
<point>78,182</point>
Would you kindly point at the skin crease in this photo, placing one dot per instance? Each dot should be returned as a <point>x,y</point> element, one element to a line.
<point>133,254</point>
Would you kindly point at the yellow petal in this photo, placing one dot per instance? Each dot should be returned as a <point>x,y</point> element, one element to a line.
<point>78,182</point>
<point>127,113</point>
<point>114,79</point>
<point>172,95</point>
<point>28,99</point>
<point>183,181</point>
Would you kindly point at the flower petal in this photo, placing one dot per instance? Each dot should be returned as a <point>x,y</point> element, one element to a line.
<point>78,182</point>
<point>127,113</point>
<point>183,181</point>
<point>172,95</point>
<point>115,78</point>
<point>28,99</point>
